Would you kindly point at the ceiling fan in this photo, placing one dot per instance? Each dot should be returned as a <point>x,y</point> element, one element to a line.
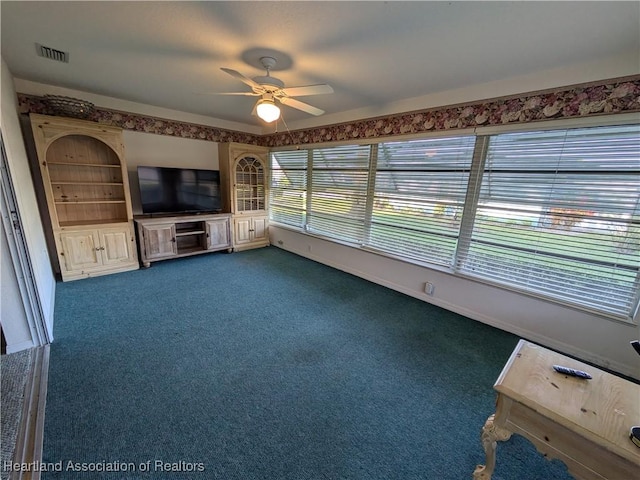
<point>272,89</point>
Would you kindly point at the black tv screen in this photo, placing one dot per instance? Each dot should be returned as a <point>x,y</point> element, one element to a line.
<point>179,190</point>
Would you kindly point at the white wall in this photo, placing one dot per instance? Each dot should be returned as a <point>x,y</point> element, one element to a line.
<point>587,336</point>
<point>12,320</point>
<point>163,151</point>
<point>12,314</point>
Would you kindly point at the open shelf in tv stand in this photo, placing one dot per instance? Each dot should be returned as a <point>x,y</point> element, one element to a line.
<point>164,237</point>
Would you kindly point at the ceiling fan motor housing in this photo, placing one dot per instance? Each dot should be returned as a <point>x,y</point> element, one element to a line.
<point>269,81</point>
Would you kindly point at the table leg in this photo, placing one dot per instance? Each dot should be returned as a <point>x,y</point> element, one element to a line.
<point>490,435</point>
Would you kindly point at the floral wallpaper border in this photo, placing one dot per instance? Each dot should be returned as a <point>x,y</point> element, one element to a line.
<point>144,123</point>
<point>620,95</point>
<point>606,97</point>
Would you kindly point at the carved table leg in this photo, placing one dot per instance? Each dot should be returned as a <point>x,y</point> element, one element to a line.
<point>490,435</point>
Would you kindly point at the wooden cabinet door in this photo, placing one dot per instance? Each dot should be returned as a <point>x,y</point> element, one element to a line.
<point>160,241</point>
<point>218,234</point>
<point>260,228</point>
<point>116,245</point>
<point>251,232</point>
<point>80,250</point>
<point>242,230</point>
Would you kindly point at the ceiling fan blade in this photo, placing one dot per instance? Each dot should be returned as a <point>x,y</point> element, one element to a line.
<point>307,90</point>
<point>256,86</point>
<point>301,106</point>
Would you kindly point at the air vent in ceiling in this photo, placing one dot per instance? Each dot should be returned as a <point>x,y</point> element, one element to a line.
<point>52,53</point>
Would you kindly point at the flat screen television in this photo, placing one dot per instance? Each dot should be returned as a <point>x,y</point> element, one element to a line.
<point>179,190</point>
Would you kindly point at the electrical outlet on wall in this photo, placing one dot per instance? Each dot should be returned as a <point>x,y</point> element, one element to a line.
<point>429,288</point>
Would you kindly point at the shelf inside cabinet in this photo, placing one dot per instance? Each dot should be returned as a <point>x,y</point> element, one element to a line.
<point>86,223</point>
<point>189,228</point>
<point>87,183</point>
<point>190,242</point>
<point>73,213</point>
<point>78,164</point>
<point>81,192</point>
<point>67,174</point>
<point>84,202</point>
<point>186,251</point>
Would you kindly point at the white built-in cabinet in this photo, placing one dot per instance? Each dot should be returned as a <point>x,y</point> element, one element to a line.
<point>244,175</point>
<point>87,194</point>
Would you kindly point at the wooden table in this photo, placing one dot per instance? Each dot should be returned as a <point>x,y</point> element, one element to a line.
<point>584,423</point>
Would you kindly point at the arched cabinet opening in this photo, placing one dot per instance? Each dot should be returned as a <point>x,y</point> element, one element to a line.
<point>87,183</point>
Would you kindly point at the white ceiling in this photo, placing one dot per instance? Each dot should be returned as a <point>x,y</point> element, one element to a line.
<point>373,54</point>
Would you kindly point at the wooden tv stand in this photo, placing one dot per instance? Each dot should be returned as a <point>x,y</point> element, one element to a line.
<point>161,238</point>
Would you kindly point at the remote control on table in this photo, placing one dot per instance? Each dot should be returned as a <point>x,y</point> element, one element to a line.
<point>572,372</point>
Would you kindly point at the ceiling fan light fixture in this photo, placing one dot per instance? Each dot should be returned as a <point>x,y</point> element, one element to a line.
<point>267,110</point>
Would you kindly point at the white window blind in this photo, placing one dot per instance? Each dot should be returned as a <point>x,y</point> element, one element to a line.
<point>338,192</point>
<point>288,192</point>
<point>420,189</point>
<point>558,214</point>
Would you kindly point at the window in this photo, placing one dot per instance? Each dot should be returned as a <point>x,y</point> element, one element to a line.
<point>289,187</point>
<point>558,214</point>
<point>420,189</point>
<point>552,213</point>
<point>338,192</point>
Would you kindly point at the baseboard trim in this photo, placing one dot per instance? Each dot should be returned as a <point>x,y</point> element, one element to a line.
<point>18,347</point>
<point>29,441</point>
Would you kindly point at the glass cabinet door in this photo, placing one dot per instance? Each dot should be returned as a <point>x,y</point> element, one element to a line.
<point>250,185</point>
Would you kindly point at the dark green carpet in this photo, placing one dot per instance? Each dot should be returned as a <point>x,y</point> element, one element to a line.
<point>265,365</point>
